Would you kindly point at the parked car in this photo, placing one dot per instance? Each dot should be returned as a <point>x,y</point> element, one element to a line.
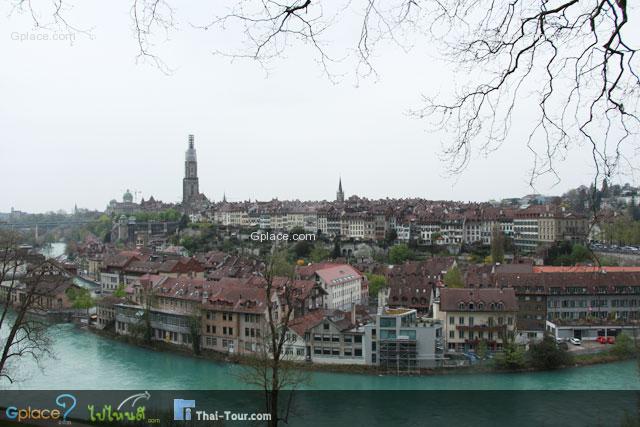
<point>602,340</point>
<point>575,341</point>
<point>611,340</point>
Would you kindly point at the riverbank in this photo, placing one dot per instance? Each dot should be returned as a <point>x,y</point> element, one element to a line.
<point>604,357</point>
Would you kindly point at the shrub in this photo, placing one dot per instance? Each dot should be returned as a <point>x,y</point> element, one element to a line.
<point>624,346</point>
<point>548,355</point>
<point>512,357</point>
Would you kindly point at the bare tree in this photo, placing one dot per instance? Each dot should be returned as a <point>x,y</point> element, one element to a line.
<point>572,62</point>
<point>146,298</point>
<point>271,369</point>
<point>28,284</point>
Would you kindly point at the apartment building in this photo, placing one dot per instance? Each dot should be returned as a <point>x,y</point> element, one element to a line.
<point>526,228</point>
<point>331,337</point>
<point>470,316</point>
<point>343,284</point>
<point>127,267</point>
<point>400,341</point>
<point>234,318</point>
<point>112,269</point>
<point>556,225</point>
<point>413,283</point>
<point>106,310</point>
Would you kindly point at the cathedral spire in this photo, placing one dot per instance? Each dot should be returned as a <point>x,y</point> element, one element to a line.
<point>190,190</point>
<point>340,193</point>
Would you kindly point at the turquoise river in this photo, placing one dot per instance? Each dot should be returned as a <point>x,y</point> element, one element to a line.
<point>83,360</point>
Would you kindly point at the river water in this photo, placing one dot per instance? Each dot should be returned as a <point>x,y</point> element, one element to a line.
<point>84,360</point>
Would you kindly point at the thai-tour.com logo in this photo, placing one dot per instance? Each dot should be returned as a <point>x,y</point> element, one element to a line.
<point>64,405</point>
<point>185,410</point>
<point>182,409</point>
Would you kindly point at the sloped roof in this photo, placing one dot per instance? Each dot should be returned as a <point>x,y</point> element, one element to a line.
<point>450,299</point>
<point>338,274</point>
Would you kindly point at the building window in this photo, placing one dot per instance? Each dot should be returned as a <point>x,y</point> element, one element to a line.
<point>387,335</point>
<point>387,322</point>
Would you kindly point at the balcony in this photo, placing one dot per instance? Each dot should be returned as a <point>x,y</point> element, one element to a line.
<point>481,327</point>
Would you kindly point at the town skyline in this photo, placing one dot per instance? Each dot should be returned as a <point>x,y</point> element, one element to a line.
<point>139,193</point>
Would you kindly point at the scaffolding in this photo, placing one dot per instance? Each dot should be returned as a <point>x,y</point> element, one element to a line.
<point>398,356</point>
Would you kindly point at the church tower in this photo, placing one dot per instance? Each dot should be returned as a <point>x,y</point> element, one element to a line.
<point>340,193</point>
<point>190,190</point>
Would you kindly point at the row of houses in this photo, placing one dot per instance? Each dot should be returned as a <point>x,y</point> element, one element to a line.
<point>331,321</point>
<point>529,227</point>
<point>344,284</point>
<point>582,301</point>
<point>231,316</point>
<point>40,286</point>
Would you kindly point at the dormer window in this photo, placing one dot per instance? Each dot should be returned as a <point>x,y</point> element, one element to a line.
<point>461,306</point>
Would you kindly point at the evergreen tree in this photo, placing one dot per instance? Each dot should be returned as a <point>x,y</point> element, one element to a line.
<point>497,244</point>
<point>336,248</point>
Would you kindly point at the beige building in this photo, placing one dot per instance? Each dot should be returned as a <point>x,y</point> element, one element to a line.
<point>471,316</point>
<point>556,225</point>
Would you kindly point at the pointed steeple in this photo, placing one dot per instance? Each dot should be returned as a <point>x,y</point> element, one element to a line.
<point>340,193</point>
<point>190,185</point>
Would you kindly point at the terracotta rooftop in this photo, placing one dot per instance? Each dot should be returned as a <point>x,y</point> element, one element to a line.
<point>339,274</point>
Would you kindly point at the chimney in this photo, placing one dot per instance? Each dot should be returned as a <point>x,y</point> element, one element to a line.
<point>353,314</point>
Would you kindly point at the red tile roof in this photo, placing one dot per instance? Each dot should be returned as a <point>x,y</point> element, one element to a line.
<point>338,274</point>
<point>584,269</point>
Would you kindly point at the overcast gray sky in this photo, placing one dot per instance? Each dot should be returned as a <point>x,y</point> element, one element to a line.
<point>81,122</point>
